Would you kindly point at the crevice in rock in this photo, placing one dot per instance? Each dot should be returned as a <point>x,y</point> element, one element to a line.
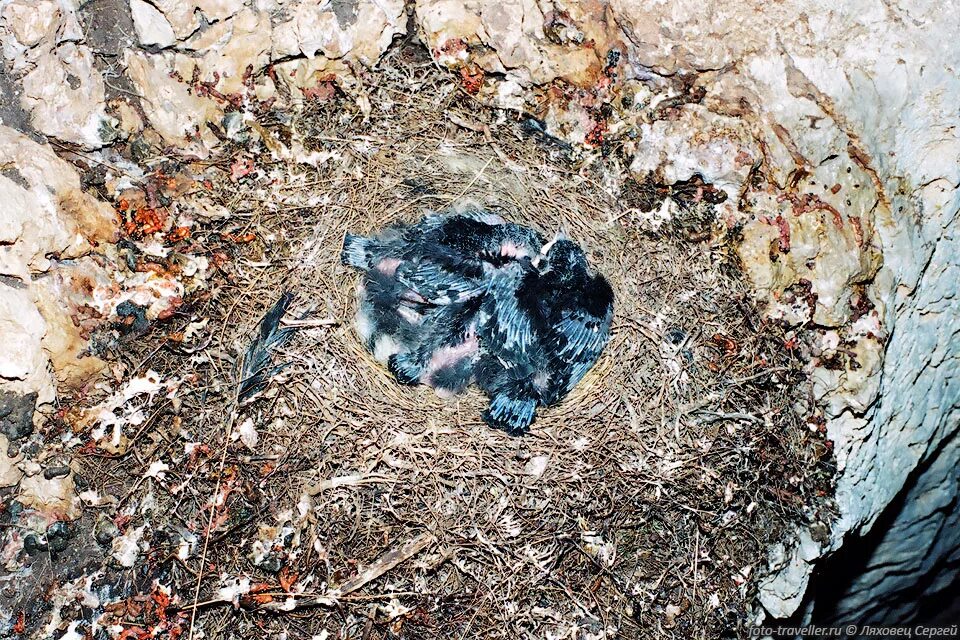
<point>835,576</point>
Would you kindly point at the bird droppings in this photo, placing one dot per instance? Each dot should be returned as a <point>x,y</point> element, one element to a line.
<point>641,506</point>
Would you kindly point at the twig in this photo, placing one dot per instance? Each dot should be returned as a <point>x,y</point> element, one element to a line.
<point>344,481</point>
<point>472,182</point>
<point>385,563</point>
<point>713,416</point>
<point>319,322</point>
<point>231,419</point>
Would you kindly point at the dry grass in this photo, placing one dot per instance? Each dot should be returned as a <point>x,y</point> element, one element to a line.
<point>637,508</point>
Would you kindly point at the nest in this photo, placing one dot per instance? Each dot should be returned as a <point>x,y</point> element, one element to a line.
<point>641,506</point>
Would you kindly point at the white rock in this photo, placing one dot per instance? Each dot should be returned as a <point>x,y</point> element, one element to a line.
<point>177,115</point>
<point>152,27</point>
<point>233,588</point>
<point>158,469</point>
<point>21,355</point>
<point>228,48</point>
<point>536,466</point>
<point>71,220</point>
<point>55,498</point>
<point>31,21</point>
<point>184,15</point>
<point>782,591</point>
<point>514,33</point>
<point>247,433</point>
<point>315,28</point>
<point>62,89</point>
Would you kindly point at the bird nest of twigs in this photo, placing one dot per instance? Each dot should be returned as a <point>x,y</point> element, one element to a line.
<point>640,506</point>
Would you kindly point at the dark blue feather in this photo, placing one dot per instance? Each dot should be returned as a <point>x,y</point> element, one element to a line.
<point>258,365</point>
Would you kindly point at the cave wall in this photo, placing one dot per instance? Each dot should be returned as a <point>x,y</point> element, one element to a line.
<point>832,129</point>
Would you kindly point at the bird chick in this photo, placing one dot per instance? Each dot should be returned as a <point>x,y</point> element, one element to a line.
<point>422,287</point>
<point>544,326</point>
<point>468,297</point>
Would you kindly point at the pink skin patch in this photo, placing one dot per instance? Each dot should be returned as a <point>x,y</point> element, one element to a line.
<point>511,250</point>
<point>388,266</point>
<point>449,356</point>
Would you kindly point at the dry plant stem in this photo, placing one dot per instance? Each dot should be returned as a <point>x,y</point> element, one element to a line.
<point>383,564</point>
<point>228,432</point>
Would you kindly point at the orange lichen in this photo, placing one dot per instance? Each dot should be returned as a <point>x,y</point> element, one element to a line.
<point>287,579</point>
<point>240,238</point>
<point>21,624</point>
<point>728,345</point>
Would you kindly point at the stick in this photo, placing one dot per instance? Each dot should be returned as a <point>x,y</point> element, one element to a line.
<point>344,481</point>
<point>384,563</point>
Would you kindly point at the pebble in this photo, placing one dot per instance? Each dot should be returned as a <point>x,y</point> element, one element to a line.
<point>55,472</point>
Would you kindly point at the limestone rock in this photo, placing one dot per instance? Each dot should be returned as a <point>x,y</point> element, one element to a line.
<point>10,474</point>
<point>62,90</point>
<point>57,296</point>
<point>31,22</point>
<point>226,50</point>
<point>833,92</point>
<point>23,365</point>
<point>184,15</point>
<point>358,30</point>
<point>179,116</point>
<point>130,121</point>
<point>719,148</point>
<point>55,498</point>
<point>152,27</point>
<point>518,39</point>
<point>48,212</point>
<point>782,591</point>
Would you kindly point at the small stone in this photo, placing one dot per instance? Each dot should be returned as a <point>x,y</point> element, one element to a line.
<point>58,536</point>
<point>32,544</point>
<point>271,563</point>
<point>676,336</point>
<point>55,472</point>
<point>16,414</point>
<point>15,509</point>
<point>104,531</point>
<point>152,27</point>
<point>140,149</point>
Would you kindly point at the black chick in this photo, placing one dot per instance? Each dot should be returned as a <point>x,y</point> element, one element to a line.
<point>423,286</point>
<point>541,328</point>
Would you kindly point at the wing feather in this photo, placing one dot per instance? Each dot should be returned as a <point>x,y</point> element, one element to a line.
<point>576,342</point>
<point>437,283</point>
<point>506,329</point>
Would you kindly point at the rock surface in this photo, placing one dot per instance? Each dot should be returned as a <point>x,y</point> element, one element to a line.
<point>151,25</point>
<point>62,90</point>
